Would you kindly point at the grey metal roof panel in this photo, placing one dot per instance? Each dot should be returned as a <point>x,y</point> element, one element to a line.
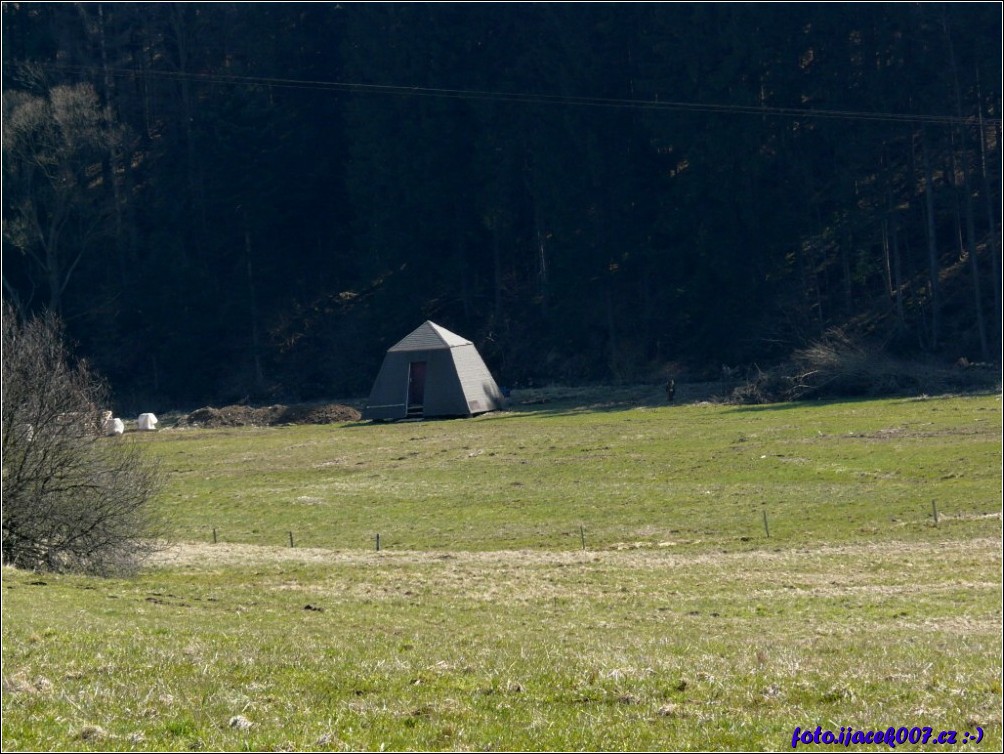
<point>480,389</point>
<point>428,336</point>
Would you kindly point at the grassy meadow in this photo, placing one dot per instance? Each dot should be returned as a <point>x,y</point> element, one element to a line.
<point>572,574</point>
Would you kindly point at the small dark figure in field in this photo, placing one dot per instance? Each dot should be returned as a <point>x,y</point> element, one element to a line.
<point>670,391</point>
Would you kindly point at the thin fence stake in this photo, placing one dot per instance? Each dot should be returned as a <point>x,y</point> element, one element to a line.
<point>934,507</point>
<point>582,536</point>
<point>214,535</point>
<point>378,542</point>
<point>765,527</point>
<point>291,539</point>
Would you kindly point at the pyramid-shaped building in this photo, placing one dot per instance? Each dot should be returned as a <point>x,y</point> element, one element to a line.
<point>432,373</point>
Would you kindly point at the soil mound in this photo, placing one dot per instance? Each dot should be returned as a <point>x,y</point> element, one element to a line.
<point>267,416</point>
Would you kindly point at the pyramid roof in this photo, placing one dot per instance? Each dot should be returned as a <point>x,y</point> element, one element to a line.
<point>429,336</point>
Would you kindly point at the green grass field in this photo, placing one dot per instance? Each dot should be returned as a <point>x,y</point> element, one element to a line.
<point>483,623</point>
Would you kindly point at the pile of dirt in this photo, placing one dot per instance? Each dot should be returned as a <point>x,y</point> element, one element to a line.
<point>269,416</point>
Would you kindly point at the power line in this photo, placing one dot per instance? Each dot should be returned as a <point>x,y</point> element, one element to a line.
<point>538,99</point>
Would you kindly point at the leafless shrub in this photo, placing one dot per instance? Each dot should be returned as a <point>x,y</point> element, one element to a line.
<point>72,499</point>
<point>839,366</point>
<point>772,386</point>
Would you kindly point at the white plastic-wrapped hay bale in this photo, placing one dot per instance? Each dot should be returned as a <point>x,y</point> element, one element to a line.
<point>113,427</point>
<point>146,422</point>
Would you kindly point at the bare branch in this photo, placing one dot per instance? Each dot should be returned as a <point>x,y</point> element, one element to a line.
<point>73,499</point>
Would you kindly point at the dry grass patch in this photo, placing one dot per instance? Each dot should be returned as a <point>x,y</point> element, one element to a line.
<point>641,649</point>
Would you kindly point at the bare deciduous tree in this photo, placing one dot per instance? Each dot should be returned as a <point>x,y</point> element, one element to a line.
<point>72,498</point>
<point>53,148</point>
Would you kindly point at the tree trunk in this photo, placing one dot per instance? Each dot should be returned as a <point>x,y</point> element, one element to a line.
<point>845,266</point>
<point>615,365</point>
<point>992,226</point>
<point>897,273</point>
<point>193,170</point>
<point>890,288</point>
<point>497,270</point>
<point>542,272</point>
<point>934,268</point>
<point>967,188</point>
<point>974,265</point>
<point>259,374</point>
<point>112,163</point>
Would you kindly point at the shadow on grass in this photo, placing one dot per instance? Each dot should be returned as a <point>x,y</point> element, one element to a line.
<point>850,400</point>
<point>563,401</point>
<point>567,400</point>
<point>763,407</point>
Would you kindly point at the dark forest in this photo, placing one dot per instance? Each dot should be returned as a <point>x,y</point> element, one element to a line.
<point>250,202</point>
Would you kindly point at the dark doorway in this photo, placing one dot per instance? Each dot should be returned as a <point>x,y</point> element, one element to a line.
<point>416,388</point>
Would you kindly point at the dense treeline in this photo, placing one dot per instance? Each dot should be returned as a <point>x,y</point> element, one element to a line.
<point>228,201</point>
